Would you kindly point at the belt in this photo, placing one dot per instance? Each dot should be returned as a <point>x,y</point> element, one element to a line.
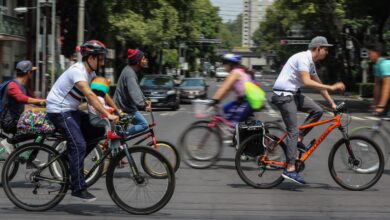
<point>290,91</point>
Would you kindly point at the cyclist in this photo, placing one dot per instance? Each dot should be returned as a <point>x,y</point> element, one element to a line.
<point>62,106</point>
<point>238,110</point>
<point>300,71</point>
<point>381,69</point>
<point>128,95</point>
<point>14,99</point>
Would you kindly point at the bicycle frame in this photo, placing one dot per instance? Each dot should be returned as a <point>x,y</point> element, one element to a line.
<point>336,124</point>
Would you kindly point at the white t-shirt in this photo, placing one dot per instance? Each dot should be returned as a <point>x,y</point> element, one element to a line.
<point>289,78</point>
<point>64,96</point>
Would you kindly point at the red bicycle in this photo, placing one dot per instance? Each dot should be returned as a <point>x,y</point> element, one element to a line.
<point>202,142</point>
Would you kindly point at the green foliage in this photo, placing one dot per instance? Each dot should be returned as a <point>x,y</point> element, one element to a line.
<point>170,58</point>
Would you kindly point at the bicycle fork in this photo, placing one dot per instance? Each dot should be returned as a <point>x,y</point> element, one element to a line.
<point>351,159</point>
<point>133,167</point>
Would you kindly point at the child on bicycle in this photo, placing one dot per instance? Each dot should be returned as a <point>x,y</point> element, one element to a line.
<point>100,86</point>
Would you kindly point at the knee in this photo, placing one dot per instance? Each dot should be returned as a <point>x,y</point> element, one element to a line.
<point>318,112</point>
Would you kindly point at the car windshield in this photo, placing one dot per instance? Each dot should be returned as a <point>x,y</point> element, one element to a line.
<point>192,82</point>
<point>156,82</point>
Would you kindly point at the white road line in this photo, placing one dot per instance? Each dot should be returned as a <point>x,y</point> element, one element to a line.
<point>358,118</point>
<point>372,118</point>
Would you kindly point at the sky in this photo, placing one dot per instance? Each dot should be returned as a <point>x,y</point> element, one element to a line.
<point>228,9</point>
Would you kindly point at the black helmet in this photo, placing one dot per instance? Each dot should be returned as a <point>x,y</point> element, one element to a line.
<point>93,47</point>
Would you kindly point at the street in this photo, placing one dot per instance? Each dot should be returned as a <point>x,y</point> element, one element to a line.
<point>218,192</point>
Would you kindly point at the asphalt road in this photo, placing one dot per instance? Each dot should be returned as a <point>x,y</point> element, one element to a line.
<point>218,192</point>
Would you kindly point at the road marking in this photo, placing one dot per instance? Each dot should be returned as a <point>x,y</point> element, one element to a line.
<point>372,118</point>
<point>358,118</point>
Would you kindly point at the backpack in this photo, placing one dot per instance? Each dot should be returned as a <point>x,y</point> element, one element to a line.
<point>3,99</point>
<point>254,95</point>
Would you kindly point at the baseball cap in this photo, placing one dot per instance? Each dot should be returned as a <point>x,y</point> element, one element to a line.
<point>25,66</point>
<point>319,41</point>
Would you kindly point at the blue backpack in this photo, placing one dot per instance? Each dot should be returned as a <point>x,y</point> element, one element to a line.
<point>3,99</point>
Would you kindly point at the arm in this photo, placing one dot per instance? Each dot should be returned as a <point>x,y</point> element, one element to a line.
<point>135,92</point>
<point>384,92</point>
<point>111,103</point>
<point>308,82</point>
<point>324,92</point>
<point>93,100</point>
<point>227,84</point>
<point>15,92</point>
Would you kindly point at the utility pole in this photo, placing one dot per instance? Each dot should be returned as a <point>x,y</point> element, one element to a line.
<point>53,42</point>
<point>37,92</point>
<point>80,26</point>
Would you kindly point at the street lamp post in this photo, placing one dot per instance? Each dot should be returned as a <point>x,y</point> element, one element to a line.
<point>80,26</point>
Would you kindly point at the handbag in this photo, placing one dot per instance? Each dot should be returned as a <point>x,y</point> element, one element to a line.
<point>35,121</point>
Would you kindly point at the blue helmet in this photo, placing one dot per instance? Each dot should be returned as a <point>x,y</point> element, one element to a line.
<point>231,58</point>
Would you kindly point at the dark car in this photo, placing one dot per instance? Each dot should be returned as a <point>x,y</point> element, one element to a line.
<point>161,91</point>
<point>193,88</point>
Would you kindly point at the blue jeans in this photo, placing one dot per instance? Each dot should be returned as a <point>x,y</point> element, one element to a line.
<point>237,111</point>
<point>139,122</point>
<point>81,138</point>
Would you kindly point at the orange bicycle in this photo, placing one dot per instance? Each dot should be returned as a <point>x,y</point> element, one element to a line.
<point>355,162</point>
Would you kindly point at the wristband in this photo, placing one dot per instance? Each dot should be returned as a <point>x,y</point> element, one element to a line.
<point>216,101</point>
<point>380,106</point>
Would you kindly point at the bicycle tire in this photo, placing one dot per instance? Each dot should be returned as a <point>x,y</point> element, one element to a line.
<point>376,135</point>
<point>241,164</point>
<point>23,155</point>
<point>94,156</point>
<point>368,148</point>
<point>13,169</point>
<point>113,188</point>
<point>172,156</point>
<point>189,155</point>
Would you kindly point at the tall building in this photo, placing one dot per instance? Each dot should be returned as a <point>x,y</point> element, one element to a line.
<point>253,15</point>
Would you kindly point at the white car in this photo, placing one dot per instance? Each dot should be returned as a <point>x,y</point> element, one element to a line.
<point>220,73</point>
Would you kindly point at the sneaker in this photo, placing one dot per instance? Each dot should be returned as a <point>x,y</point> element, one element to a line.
<point>84,195</point>
<point>7,146</point>
<point>35,164</point>
<point>293,176</point>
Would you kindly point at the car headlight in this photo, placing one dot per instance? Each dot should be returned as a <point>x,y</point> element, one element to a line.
<point>171,92</point>
<point>202,92</point>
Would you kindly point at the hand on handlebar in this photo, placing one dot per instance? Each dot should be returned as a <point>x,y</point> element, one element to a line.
<point>113,118</point>
<point>148,106</point>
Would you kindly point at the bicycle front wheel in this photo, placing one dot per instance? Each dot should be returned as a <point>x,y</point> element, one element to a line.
<point>248,161</point>
<point>132,188</point>
<point>201,146</point>
<point>169,151</point>
<point>361,171</point>
<point>375,134</point>
<point>34,188</point>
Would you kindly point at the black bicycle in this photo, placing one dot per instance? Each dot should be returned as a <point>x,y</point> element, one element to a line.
<point>38,186</point>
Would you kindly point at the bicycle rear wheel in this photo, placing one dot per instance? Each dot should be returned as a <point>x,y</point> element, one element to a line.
<point>90,160</point>
<point>360,173</point>
<point>132,188</point>
<point>169,151</point>
<point>201,146</point>
<point>34,188</point>
<point>248,161</point>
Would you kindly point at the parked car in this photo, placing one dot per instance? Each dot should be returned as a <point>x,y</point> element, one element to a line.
<point>161,91</point>
<point>221,74</point>
<point>193,88</point>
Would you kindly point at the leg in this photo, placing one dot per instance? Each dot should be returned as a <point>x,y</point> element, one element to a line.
<point>93,131</point>
<point>69,125</point>
<point>288,110</point>
<point>139,122</point>
<point>306,104</point>
<point>242,112</point>
<point>229,109</point>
